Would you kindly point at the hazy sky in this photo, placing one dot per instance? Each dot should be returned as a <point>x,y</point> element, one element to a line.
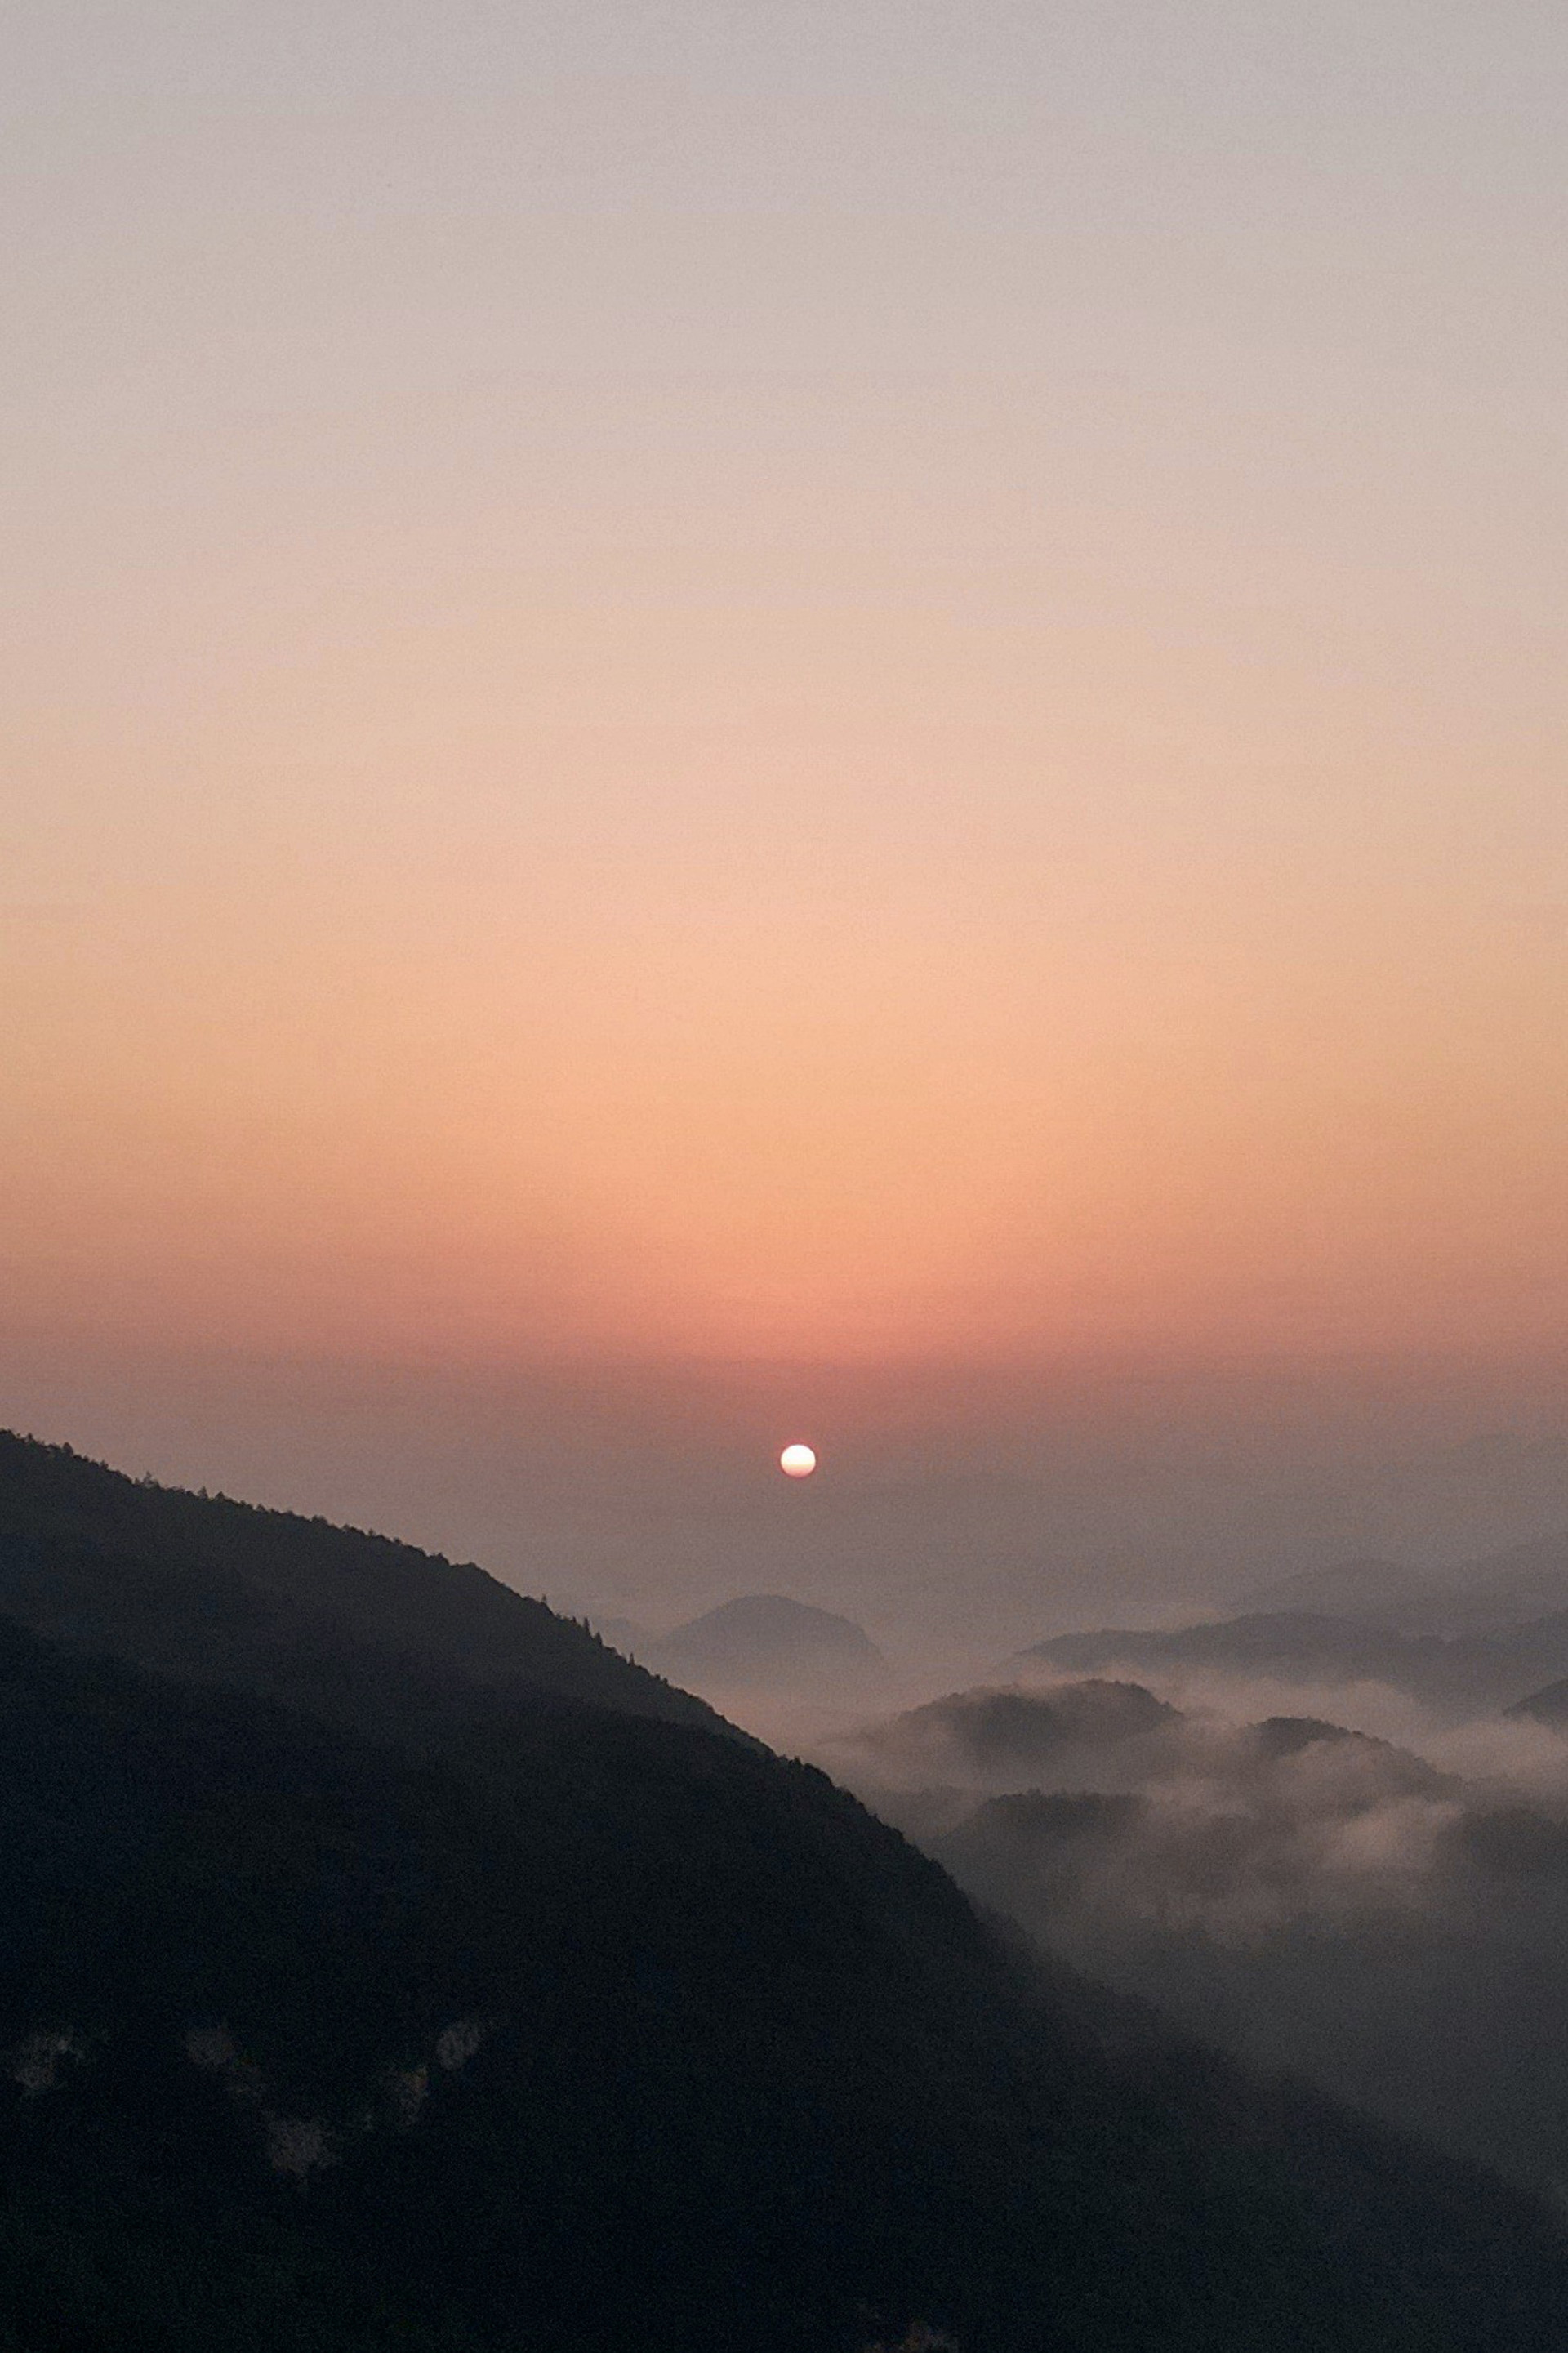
<point>847,681</point>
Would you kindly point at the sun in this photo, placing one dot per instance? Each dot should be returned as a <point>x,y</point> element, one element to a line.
<point>797,1461</point>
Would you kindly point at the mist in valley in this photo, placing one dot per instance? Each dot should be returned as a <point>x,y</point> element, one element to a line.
<point>1338,1881</point>
<point>1320,1817</point>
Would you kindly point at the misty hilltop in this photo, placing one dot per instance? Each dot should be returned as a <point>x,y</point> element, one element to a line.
<point>1007,1736</point>
<point>765,1638</point>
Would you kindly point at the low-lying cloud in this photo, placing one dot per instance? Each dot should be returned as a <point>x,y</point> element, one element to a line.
<point>1387,1916</point>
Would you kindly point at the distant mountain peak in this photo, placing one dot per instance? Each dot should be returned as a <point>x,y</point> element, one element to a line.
<point>766,1637</point>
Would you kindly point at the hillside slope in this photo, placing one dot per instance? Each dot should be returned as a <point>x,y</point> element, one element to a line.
<point>329,1619</point>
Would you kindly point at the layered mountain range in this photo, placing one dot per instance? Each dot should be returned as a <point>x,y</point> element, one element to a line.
<point>1388,1923</point>
<point>385,1962</point>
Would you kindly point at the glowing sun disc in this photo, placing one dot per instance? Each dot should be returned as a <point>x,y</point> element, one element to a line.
<point>797,1461</point>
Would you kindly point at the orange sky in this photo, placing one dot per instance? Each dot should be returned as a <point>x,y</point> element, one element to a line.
<point>837,684</point>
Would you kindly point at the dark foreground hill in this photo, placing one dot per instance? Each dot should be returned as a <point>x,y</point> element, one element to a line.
<point>332,1619</point>
<point>542,2027</point>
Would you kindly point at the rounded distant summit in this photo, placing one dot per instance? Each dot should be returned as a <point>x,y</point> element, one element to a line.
<point>797,1461</point>
<point>767,1640</point>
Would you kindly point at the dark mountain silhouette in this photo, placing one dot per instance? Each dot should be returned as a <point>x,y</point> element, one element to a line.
<point>623,1634</point>
<point>536,2023</point>
<point>328,1619</point>
<point>764,1638</point>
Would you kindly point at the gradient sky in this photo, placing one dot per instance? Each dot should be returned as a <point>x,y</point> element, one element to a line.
<point>851,682</point>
